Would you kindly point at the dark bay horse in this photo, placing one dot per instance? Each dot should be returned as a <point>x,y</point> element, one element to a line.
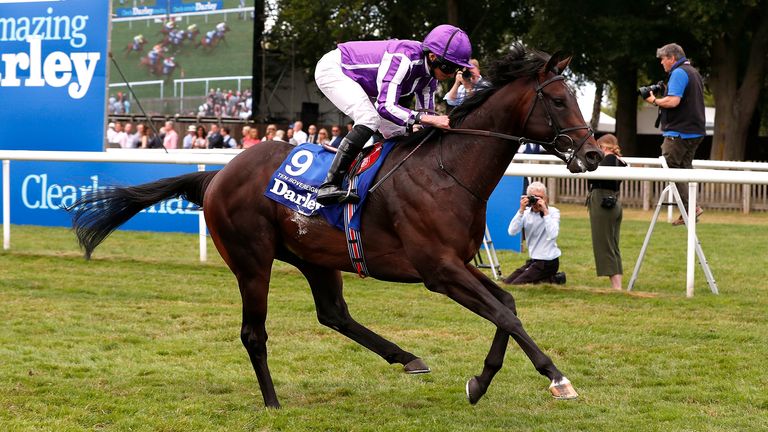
<point>423,225</point>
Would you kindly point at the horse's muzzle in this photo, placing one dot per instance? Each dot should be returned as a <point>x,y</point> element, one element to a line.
<point>588,162</point>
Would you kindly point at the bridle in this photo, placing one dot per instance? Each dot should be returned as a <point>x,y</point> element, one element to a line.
<point>565,152</point>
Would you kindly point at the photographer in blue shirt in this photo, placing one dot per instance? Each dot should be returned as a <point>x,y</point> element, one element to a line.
<point>681,113</point>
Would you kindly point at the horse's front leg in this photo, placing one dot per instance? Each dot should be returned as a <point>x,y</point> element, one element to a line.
<point>478,385</point>
<point>462,285</point>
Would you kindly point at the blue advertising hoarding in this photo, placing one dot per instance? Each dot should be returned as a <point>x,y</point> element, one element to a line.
<point>53,74</point>
<point>39,190</point>
<point>502,206</point>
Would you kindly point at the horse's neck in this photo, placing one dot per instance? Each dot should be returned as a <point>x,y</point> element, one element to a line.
<point>481,161</point>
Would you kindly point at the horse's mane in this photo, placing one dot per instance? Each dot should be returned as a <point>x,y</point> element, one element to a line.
<point>520,62</point>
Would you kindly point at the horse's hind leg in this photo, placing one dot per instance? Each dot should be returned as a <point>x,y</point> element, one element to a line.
<point>251,262</point>
<point>253,289</point>
<point>332,311</point>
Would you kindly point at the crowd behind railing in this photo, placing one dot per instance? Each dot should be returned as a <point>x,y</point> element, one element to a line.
<point>199,134</point>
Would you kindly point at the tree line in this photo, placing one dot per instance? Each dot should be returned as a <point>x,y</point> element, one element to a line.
<point>613,45</point>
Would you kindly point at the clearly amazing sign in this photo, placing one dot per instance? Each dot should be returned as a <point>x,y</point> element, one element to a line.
<point>53,56</point>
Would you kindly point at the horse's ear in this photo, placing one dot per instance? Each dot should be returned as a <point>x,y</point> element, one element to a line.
<point>564,63</point>
<point>558,62</point>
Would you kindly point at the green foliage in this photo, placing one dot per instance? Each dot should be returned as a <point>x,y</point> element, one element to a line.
<point>312,28</point>
<point>149,340</point>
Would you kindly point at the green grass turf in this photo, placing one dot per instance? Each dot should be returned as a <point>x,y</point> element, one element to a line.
<point>144,337</point>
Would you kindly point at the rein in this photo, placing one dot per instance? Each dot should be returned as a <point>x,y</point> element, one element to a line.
<point>566,156</point>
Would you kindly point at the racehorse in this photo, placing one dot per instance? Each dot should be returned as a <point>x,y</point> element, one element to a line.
<point>211,40</point>
<point>133,46</point>
<point>424,223</point>
<point>154,69</point>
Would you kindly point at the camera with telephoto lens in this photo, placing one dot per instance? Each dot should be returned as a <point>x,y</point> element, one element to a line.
<point>532,200</point>
<point>467,74</point>
<point>645,91</point>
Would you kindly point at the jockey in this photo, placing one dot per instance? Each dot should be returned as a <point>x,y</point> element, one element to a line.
<point>192,31</point>
<point>209,36</point>
<point>169,25</point>
<point>365,80</point>
<point>138,41</point>
<point>221,28</point>
<point>169,64</point>
<point>155,54</point>
<point>176,36</point>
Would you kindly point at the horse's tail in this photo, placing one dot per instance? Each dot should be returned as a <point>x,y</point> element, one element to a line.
<point>97,213</point>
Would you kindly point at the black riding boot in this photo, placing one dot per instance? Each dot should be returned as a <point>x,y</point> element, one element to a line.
<point>330,191</point>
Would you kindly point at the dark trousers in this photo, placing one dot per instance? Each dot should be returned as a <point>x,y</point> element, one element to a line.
<point>534,271</point>
<point>679,153</point>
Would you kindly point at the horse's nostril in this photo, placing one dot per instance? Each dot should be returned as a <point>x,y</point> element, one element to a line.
<point>594,157</point>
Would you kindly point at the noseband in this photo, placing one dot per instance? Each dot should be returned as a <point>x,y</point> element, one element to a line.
<point>567,154</point>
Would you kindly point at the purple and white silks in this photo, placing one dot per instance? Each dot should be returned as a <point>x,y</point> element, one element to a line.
<point>366,79</point>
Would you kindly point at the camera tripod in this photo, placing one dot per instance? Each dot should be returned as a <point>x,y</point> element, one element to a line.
<point>674,199</point>
<point>490,253</point>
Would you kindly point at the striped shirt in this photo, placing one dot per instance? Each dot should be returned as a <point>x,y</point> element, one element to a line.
<point>388,70</point>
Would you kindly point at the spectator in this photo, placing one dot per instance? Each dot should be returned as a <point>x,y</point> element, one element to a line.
<point>542,225</point>
<point>111,134</point>
<point>252,139</point>
<point>335,136</point>
<point>141,138</point>
<point>681,112</point>
<point>270,135</point>
<point>605,215</point>
<point>322,137</point>
<point>215,139</point>
<point>312,134</point>
<point>271,128</point>
<point>201,138</point>
<point>280,135</point>
<point>464,84</point>
<point>289,137</point>
<point>127,141</point>
<point>171,139</point>
<point>229,142</point>
<point>298,134</point>
<point>189,138</point>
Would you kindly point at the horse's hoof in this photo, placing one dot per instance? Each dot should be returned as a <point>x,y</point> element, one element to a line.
<point>474,390</point>
<point>416,366</point>
<point>563,389</point>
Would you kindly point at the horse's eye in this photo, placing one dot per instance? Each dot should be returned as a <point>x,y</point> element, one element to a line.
<point>560,103</point>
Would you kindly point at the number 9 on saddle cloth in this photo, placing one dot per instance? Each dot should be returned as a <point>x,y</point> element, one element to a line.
<point>296,181</point>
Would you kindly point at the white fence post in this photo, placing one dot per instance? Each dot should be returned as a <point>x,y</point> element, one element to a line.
<point>202,237</point>
<point>692,188</point>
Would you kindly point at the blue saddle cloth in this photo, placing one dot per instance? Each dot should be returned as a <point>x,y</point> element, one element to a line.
<point>296,181</point>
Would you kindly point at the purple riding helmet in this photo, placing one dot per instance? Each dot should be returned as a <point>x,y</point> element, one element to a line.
<point>449,43</point>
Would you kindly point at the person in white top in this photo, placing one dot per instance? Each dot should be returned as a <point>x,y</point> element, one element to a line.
<point>298,134</point>
<point>542,225</point>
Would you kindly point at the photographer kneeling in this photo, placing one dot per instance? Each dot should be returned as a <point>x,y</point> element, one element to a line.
<point>542,225</point>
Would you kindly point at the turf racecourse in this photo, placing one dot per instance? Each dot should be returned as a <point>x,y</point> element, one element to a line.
<point>144,337</point>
